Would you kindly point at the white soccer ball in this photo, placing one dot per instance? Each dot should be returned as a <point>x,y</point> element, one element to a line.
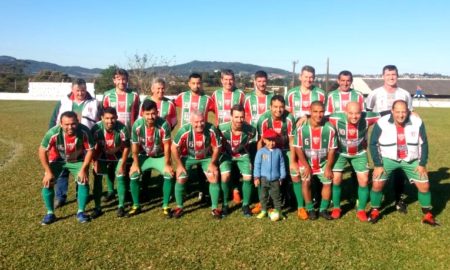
<point>274,215</point>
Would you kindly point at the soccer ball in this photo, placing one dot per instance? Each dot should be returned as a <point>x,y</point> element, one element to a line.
<point>274,215</point>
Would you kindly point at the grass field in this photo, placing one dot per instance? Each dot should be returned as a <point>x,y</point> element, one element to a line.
<point>196,241</point>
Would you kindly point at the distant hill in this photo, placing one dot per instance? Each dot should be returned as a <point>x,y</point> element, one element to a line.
<point>32,67</point>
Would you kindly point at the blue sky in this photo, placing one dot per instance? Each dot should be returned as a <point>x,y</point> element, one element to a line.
<point>360,36</point>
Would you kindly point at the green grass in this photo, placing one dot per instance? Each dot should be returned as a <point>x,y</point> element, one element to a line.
<point>148,241</point>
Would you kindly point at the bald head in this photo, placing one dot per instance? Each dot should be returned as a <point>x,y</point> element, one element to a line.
<point>353,111</point>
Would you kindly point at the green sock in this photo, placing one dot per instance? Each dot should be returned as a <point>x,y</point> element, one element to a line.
<point>246,192</point>
<point>179,190</point>
<point>121,190</point>
<point>97,191</point>
<point>336,197</point>
<point>110,184</point>
<point>424,199</point>
<point>363,197</point>
<point>214,191</point>
<point>297,187</point>
<point>83,196</point>
<point>324,205</point>
<point>225,191</point>
<point>48,194</point>
<point>375,198</point>
<point>135,186</point>
<point>167,189</point>
<point>309,206</point>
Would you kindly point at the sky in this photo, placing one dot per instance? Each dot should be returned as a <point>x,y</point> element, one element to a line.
<point>360,36</point>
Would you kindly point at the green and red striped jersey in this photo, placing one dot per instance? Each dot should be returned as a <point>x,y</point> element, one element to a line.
<point>166,110</point>
<point>337,100</point>
<point>223,101</point>
<point>189,102</point>
<point>197,145</point>
<point>255,106</point>
<point>126,105</point>
<point>298,104</point>
<point>110,144</point>
<point>236,143</point>
<point>283,127</point>
<point>151,139</point>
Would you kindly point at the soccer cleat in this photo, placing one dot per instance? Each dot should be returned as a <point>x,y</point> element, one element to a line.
<point>96,213</point>
<point>401,207</point>
<point>59,203</point>
<point>177,212</point>
<point>48,219</point>
<point>256,209</point>
<point>336,213</point>
<point>362,216</point>
<point>312,215</point>
<point>83,218</point>
<point>246,211</point>
<point>135,210</point>
<point>374,216</point>
<point>302,214</point>
<point>167,212</point>
<point>429,219</point>
<point>236,196</point>
<point>225,211</point>
<point>262,214</point>
<point>325,214</point>
<point>109,197</point>
<point>121,212</point>
<point>216,213</point>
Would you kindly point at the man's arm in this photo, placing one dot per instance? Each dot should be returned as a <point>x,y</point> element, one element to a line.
<point>168,158</point>
<point>135,155</point>
<point>176,157</point>
<point>48,174</point>
<point>54,117</point>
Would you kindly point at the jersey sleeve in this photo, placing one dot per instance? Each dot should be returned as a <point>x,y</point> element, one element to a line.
<point>329,105</point>
<point>88,141</point>
<point>134,132</point>
<point>215,137</point>
<point>47,142</point>
<point>298,141</point>
<point>54,116</point>
<point>179,101</point>
<point>372,118</point>
<point>333,144</point>
<point>290,125</point>
<point>167,131</point>
<point>172,115</point>
<point>370,101</point>
<point>135,108</point>
<point>247,109</point>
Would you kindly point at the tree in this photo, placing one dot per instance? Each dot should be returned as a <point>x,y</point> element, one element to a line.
<point>13,78</point>
<point>51,76</point>
<point>105,81</point>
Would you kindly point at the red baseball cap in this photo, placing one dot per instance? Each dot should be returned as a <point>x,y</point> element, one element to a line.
<point>270,134</point>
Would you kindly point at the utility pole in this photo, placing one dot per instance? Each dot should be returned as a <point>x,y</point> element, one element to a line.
<point>294,63</point>
<point>328,73</point>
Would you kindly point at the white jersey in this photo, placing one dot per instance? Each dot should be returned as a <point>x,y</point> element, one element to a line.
<point>380,100</point>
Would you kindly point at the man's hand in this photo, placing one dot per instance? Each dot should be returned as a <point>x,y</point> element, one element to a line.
<point>181,170</point>
<point>48,179</point>
<point>83,177</point>
<point>212,168</point>
<point>135,168</point>
<point>168,170</point>
<point>301,121</point>
<point>305,173</point>
<point>377,173</point>
<point>328,173</point>
<point>256,182</point>
<point>422,170</point>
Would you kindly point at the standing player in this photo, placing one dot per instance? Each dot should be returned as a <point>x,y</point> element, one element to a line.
<point>283,123</point>
<point>86,108</point>
<point>236,135</point>
<point>193,100</point>
<point>197,143</point>
<point>125,101</point>
<point>351,127</point>
<point>299,99</point>
<point>337,100</point>
<point>166,108</point>
<point>74,146</point>
<point>315,144</point>
<point>381,100</point>
<point>112,147</point>
<point>399,141</point>
<point>150,138</point>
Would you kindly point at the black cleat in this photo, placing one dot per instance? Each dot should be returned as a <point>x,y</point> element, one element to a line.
<point>246,211</point>
<point>225,211</point>
<point>96,213</point>
<point>121,212</point>
<point>312,215</point>
<point>325,214</point>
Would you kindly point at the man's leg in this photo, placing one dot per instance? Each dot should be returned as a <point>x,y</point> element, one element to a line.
<point>159,165</point>
<point>83,191</point>
<point>61,188</point>
<point>214,188</point>
<point>48,194</point>
<point>398,178</point>
<point>326,196</point>
<point>245,168</point>
<point>225,173</point>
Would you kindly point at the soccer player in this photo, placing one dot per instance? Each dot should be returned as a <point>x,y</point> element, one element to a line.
<point>193,100</point>
<point>256,103</point>
<point>351,128</point>
<point>125,101</point>
<point>86,108</point>
<point>112,147</point>
<point>151,142</point>
<point>236,136</point>
<point>166,108</point>
<point>399,141</point>
<point>299,99</point>
<point>74,146</point>
<point>197,143</point>
<point>315,144</point>
<point>337,100</point>
<point>283,123</point>
<point>380,100</point>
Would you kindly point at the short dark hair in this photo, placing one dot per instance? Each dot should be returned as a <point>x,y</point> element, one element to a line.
<point>195,76</point>
<point>149,105</point>
<point>345,73</point>
<point>68,114</point>
<point>390,68</point>
<point>260,74</point>
<point>121,72</point>
<point>280,98</point>
<point>317,103</point>
<point>309,69</point>
<point>238,108</point>
<point>79,82</point>
<point>228,72</point>
<point>400,101</point>
<point>110,110</point>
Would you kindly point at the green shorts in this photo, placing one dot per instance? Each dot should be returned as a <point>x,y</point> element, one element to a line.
<point>148,163</point>
<point>73,167</point>
<point>409,168</point>
<point>321,176</point>
<point>243,163</point>
<point>107,167</point>
<point>189,162</point>
<point>358,162</point>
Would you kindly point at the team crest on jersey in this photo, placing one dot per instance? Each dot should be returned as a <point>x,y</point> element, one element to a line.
<point>149,139</point>
<point>352,131</point>
<point>113,104</point>
<point>277,130</point>
<point>194,104</point>
<point>401,137</point>
<point>236,142</point>
<point>227,102</point>
<point>342,131</point>
<point>262,106</point>
<point>70,146</point>
<point>316,140</point>
<point>109,143</point>
<point>199,144</point>
<point>305,103</point>
<point>122,104</point>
